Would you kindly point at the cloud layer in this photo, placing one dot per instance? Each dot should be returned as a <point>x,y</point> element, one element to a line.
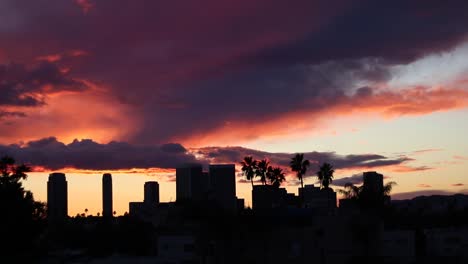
<point>51,154</point>
<point>221,71</point>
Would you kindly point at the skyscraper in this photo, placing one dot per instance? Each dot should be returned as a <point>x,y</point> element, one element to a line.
<point>223,185</point>
<point>107,210</point>
<point>372,194</point>
<point>190,182</point>
<point>151,193</point>
<point>57,197</point>
<point>373,182</point>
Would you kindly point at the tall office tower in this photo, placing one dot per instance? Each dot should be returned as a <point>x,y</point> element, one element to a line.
<point>107,195</point>
<point>373,182</point>
<point>223,185</point>
<point>151,193</point>
<point>57,197</point>
<point>372,192</point>
<point>190,182</point>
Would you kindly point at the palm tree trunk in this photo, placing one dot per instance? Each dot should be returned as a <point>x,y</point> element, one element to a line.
<point>302,183</point>
<point>251,180</point>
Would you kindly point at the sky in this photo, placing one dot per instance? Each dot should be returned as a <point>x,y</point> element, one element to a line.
<point>137,88</point>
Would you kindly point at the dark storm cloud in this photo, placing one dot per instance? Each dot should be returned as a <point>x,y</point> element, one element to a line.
<point>236,154</point>
<point>356,179</point>
<point>6,114</point>
<point>397,31</point>
<point>87,154</point>
<point>188,68</point>
<point>22,86</point>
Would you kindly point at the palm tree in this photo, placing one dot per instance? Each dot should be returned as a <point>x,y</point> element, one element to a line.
<point>299,165</point>
<point>387,188</point>
<point>276,176</point>
<point>325,175</point>
<point>249,167</point>
<point>263,169</point>
<point>351,191</point>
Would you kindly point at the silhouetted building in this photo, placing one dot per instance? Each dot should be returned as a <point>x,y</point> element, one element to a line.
<point>136,209</point>
<point>151,193</point>
<point>372,193</point>
<point>268,197</point>
<point>223,185</point>
<point>57,197</point>
<point>190,184</point>
<point>373,182</point>
<point>314,197</point>
<point>240,204</point>
<point>107,209</point>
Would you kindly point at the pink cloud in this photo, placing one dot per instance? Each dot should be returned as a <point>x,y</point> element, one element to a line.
<point>85,5</point>
<point>423,185</point>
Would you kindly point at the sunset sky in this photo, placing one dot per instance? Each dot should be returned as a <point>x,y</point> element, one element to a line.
<point>139,87</point>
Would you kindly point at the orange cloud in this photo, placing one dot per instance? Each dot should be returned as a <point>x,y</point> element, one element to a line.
<point>423,185</point>
<point>69,115</point>
<point>60,56</point>
<point>387,104</point>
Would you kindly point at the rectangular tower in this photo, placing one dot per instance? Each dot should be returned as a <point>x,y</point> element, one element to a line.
<point>107,210</point>
<point>373,182</point>
<point>190,183</point>
<point>57,197</point>
<point>151,193</point>
<point>223,185</point>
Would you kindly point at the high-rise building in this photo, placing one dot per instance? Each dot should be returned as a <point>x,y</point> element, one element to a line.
<point>151,193</point>
<point>372,194</point>
<point>57,197</point>
<point>314,197</point>
<point>190,184</point>
<point>268,197</point>
<point>373,182</point>
<point>223,185</point>
<point>107,210</point>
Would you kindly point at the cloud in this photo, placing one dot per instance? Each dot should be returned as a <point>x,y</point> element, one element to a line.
<point>424,151</point>
<point>85,5</point>
<point>458,185</point>
<point>423,185</point>
<point>6,114</point>
<point>236,154</point>
<point>87,154</point>
<point>354,179</point>
<point>22,86</point>
<point>457,157</point>
<point>206,77</point>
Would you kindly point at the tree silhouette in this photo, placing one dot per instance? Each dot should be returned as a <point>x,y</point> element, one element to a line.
<point>22,217</point>
<point>249,167</point>
<point>300,166</point>
<point>263,169</point>
<point>325,175</point>
<point>388,187</point>
<point>351,191</point>
<point>276,176</point>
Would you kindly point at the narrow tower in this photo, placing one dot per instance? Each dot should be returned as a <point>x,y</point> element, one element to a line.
<point>151,193</point>
<point>107,195</point>
<point>57,197</point>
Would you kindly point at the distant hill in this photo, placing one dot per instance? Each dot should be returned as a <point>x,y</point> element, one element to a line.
<point>433,203</point>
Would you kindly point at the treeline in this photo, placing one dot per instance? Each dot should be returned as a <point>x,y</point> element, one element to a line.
<point>275,176</point>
